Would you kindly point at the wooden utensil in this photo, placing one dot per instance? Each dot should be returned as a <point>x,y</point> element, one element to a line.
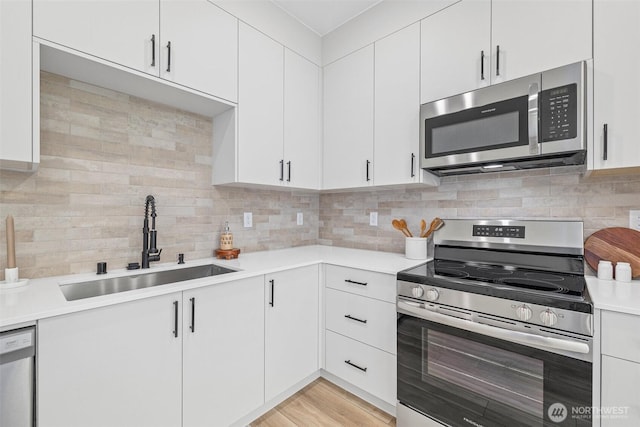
<point>398,226</point>
<point>614,244</point>
<point>423,227</point>
<point>436,224</point>
<point>403,223</point>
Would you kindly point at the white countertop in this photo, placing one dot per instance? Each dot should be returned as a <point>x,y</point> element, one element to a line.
<point>42,298</point>
<point>615,296</point>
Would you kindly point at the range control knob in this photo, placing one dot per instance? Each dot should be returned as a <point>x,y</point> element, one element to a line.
<point>417,292</point>
<point>548,317</point>
<point>523,312</point>
<point>432,294</point>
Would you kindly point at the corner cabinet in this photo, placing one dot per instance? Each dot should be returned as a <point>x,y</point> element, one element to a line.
<point>19,89</point>
<point>490,46</point>
<point>192,42</point>
<point>182,359</point>
<point>620,370</point>
<point>348,121</point>
<point>616,67</point>
<point>112,366</point>
<point>291,328</point>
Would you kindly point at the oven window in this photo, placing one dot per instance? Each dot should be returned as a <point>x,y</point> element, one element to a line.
<point>500,375</point>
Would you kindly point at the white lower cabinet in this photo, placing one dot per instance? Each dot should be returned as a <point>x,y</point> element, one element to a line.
<point>366,367</point>
<point>360,329</point>
<point>184,359</point>
<point>223,352</point>
<point>119,365</point>
<point>291,328</point>
<point>620,376</point>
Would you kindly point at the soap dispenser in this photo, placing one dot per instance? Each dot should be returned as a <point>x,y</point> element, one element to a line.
<point>226,238</point>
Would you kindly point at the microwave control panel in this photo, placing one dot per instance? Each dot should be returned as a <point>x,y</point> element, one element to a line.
<point>558,113</point>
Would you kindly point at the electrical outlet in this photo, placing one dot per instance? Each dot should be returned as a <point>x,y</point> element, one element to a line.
<point>634,220</point>
<point>373,219</point>
<point>248,220</point>
<point>299,218</point>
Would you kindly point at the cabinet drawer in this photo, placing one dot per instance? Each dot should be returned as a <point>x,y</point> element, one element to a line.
<point>362,282</point>
<point>366,320</point>
<point>369,368</point>
<point>621,335</point>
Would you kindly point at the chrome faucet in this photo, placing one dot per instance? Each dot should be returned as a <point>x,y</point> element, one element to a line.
<point>149,251</point>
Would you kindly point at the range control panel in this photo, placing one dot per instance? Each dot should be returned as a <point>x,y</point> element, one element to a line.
<point>558,113</point>
<point>515,232</point>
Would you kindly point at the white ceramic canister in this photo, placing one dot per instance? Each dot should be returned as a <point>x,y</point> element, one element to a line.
<point>605,270</point>
<point>415,248</point>
<point>623,272</point>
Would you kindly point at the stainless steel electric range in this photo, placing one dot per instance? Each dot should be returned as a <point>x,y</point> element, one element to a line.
<point>497,330</point>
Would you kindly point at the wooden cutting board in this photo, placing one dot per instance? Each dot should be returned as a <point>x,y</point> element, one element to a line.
<point>614,244</point>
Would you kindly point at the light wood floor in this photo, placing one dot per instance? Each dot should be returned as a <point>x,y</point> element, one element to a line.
<point>322,403</point>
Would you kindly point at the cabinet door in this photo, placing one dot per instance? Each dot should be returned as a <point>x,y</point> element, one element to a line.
<point>223,374</point>
<point>260,107</point>
<point>616,85</point>
<point>538,35</point>
<point>348,121</point>
<point>397,107</point>
<point>204,46</point>
<point>456,50</point>
<point>112,366</point>
<point>291,330</point>
<point>301,122</point>
<point>118,31</point>
<point>17,149</point>
<point>619,388</point>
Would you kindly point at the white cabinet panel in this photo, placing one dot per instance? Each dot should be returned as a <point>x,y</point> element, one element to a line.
<point>261,115</point>
<point>204,46</point>
<point>397,107</point>
<point>118,31</point>
<point>620,336</point>
<point>291,328</point>
<point>113,366</point>
<point>455,42</point>
<point>369,368</point>
<point>302,154</point>
<point>348,121</point>
<point>620,379</point>
<point>367,320</point>
<point>19,146</point>
<point>223,352</point>
<point>616,86</point>
<point>361,282</point>
<point>538,35</point>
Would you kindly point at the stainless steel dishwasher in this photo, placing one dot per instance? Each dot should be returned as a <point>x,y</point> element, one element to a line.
<point>17,377</point>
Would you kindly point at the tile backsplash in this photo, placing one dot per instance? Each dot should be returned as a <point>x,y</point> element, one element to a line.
<point>102,152</point>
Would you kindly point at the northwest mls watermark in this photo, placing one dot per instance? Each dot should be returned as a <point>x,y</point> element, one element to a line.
<point>558,412</point>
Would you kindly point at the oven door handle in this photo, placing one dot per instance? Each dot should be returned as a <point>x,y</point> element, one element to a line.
<point>493,331</point>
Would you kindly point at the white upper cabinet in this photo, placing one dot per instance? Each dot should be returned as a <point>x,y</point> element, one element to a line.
<point>203,45</point>
<point>124,32</point>
<point>348,121</point>
<point>616,64</point>
<point>19,145</point>
<point>190,42</point>
<point>261,108</point>
<point>397,108</point>
<point>456,50</point>
<point>474,43</point>
<point>302,151</point>
<point>534,35</point>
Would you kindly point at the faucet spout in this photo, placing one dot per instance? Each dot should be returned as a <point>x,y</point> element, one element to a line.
<point>150,252</point>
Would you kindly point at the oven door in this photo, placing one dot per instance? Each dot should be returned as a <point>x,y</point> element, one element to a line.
<point>463,378</point>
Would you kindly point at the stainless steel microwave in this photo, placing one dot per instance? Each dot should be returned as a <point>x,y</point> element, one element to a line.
<point>531,122</point>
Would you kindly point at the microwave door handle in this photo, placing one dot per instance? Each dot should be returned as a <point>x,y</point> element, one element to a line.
<point>534,144</point>
<point>493,331</point>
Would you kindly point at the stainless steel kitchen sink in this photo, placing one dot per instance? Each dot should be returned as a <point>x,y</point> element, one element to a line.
<point>94,288</point>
